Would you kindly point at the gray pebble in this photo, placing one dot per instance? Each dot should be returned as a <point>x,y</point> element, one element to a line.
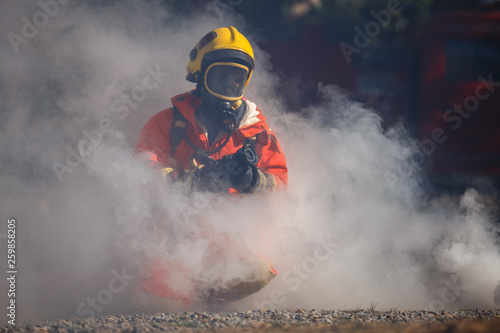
<point>192,321</point>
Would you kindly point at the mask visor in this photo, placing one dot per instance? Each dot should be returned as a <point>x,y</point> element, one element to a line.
<point>226,80</point>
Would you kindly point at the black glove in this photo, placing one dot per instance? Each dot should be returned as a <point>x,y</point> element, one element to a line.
<point>242,176</point>
<point>202,178</point>
<point>211,179</point>
<point>218,178</point>
<point>237,171</point>
<point>232,171</point>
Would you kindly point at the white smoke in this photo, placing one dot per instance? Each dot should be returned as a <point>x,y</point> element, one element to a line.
<point>357,228</point>
<point>354,228</point>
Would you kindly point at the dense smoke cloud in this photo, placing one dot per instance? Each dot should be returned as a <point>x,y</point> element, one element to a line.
<point>354,228</point>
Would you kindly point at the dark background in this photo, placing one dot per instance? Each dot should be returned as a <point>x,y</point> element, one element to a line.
<point>427,58</point>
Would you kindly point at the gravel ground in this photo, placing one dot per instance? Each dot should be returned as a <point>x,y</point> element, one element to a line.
<point>277,321</point>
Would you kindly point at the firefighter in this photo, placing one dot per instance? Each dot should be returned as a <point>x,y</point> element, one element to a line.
<point>212,139</point>
<point>216,120</point>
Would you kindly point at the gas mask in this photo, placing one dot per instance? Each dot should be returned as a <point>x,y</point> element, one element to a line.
<point>225,84</point>
<point>226,80</point>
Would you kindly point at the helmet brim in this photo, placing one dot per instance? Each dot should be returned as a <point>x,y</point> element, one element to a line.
<point>228,55</point>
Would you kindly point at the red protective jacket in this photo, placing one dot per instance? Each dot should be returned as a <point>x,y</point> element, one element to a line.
<point>154,141</point>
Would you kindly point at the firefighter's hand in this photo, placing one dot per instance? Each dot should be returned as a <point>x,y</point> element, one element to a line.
<point>243,177</point>
<point>210,179</point>
<point>203,178</point>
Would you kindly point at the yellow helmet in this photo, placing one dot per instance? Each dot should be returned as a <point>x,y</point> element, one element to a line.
<point>223,62</point>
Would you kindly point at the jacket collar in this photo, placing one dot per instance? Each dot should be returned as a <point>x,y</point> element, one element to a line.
<point>188,102</point>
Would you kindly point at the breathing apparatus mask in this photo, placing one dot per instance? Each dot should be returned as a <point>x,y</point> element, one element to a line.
<point>224,86</point>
